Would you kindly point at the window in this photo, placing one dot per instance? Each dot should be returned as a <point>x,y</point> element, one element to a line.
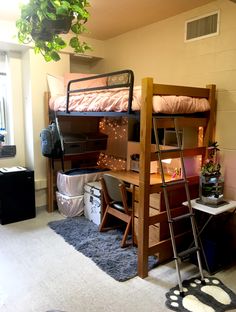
<point>4,107</point>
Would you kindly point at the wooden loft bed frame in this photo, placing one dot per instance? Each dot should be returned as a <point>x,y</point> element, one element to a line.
<point>205,120</point>
<point>145,189</point>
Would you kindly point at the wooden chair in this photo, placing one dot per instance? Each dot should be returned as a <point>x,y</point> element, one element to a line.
<point>116,202</point>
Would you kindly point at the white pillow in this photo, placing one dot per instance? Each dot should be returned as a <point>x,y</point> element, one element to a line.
<point>56,85</point>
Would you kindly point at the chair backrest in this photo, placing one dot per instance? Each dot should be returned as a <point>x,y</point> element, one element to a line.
<point>112,186</point>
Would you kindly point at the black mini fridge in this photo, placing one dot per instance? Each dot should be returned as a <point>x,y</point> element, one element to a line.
<point>17,196</point>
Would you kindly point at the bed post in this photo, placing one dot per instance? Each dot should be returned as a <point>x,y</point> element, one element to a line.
<point>209,133</point>
<point>144,175</point>
<point>49,171</point>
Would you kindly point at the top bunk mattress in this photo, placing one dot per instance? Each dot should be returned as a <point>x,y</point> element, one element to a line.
<point>116,100</point>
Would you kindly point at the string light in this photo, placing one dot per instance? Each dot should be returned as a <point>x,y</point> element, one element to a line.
<point>111,162</point>
<point>116,128</point>
<point>117,131</point>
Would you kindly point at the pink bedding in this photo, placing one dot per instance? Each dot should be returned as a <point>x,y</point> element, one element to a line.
<point>117,100</point>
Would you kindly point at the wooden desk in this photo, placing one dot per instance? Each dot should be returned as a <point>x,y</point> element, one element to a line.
<point>132,177</point>
<point>126,176</point>
<point>155,229</point>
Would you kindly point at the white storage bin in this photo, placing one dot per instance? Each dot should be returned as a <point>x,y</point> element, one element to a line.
<point>92,201</point>
<point>73,184</point>
<point>70,206</point>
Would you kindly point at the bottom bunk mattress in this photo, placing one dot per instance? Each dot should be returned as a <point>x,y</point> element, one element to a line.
<point>71,182</point>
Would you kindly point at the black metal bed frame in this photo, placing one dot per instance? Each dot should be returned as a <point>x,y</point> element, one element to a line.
<point>129,84</point>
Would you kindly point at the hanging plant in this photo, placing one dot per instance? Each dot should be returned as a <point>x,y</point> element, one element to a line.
<point>42,22</point>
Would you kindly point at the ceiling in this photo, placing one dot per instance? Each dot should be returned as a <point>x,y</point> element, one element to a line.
<point>110,18</point>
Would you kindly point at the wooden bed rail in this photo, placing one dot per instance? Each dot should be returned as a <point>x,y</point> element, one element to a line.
<point>160,89</point>
<point>183,122</point>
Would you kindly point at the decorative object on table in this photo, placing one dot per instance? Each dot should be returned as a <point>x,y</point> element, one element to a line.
<point>43,21</point>
<point>211,182</point>
<point>213,296</point>
<point>102,247</point>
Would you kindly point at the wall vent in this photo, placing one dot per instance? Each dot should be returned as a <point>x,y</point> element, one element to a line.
<point>202,27</point>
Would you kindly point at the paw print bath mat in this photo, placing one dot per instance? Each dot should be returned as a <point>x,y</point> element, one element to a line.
<point>214,296</point>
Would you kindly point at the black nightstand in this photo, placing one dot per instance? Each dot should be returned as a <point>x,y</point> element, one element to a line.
<point>17,196</point>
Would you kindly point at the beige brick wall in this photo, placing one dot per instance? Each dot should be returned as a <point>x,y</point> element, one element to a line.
<point>159,51</point>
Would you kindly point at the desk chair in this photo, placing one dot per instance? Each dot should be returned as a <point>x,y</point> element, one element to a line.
<point>116,202</point>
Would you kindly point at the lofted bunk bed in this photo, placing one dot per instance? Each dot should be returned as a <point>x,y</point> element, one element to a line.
<point>192,106</point>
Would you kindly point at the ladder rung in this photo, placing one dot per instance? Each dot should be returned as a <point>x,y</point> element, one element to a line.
<point>184,216</point>
<point>176,182</point>
<point>187,252</point>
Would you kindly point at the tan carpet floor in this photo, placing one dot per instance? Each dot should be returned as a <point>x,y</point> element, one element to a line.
<point>39,272</point>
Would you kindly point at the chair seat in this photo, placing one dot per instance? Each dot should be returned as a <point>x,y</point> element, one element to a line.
<point>117,205</point>
<point>120,207</point>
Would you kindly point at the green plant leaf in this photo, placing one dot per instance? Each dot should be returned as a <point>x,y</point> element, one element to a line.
<point>55,3</point>
<point>36,50</point>
<point>60,42</point>
<point>51,16</point>
<point>47,57</point>
<point>74,42</point>
<point>62,10</point>
<point>66,4</point>
<point>76,28</point>
<point>55,56</point>
<point>81,12</point>
<point>40,15</point>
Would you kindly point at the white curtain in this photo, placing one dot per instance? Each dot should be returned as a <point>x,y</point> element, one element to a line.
<point>2,113</point>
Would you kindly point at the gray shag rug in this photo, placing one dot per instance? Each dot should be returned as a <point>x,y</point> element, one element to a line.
<point>102,247</point>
